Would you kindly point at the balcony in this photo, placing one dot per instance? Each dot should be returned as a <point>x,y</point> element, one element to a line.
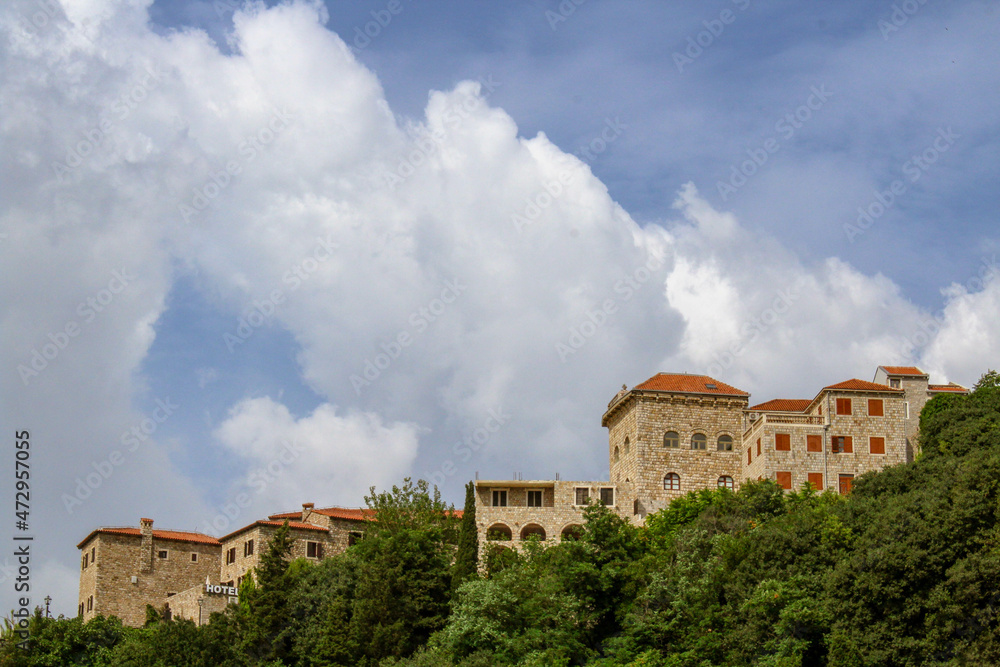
<point>764,418</point>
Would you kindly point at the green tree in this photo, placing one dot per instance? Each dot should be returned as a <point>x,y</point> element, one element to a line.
<point>265,634</point>
<point>467,557</point>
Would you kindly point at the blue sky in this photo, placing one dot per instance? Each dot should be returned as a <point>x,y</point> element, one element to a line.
<point>501,212</point>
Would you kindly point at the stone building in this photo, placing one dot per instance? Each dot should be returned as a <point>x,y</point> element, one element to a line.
<point>677,432</point>
<point>192,575</point>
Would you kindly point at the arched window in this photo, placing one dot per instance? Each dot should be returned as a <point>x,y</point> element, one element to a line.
<point>626,445</point>
<point>499,531</point>
<point>672,482</point>
<point>574,531</point>
<point>725,443</point>
<point>699,441</point>
<point>616,455</point>
<point>726,482</point>
<point>533,529</point>
<point>671,439</point>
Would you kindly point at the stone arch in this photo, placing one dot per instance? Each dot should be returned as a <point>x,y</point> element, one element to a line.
<point>725,442</point>
<point>617,454</point>
<point>532,529</point>
<point>499,532</point>
<point>572,531</point>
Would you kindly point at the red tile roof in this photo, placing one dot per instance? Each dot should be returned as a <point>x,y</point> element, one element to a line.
<point>347,513</point>
<point>902,370</point>
<point>861,385</point>
<point>782,405</point>
<point>951,386</point>
<point>263,522</point>
<point>689,384</point>
<point>173,535</point>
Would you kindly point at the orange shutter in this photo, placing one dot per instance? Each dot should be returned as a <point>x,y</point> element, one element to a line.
<point>784,480</point>
<point>875,407</point>
<point>876,445</point>
<point>848,445</point>
<point>814,443</point>
<point>749,455</point>
<point>816,479</point>
<point>782,442</point>
<point>843,406</point>
<point>846,483</point>
<point>758,446</point>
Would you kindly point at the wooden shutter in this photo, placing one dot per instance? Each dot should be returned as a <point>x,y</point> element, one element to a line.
<point>758,446</point>
<point>782,442</point>
<point>784,480</point>
<point>814,443</point>
<point>876,445</point>
<point>848,445</point>
<point>843,406</point>
<point>816,479</point>
<point>875,408</point>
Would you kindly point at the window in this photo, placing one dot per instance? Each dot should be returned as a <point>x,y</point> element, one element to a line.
<point>84,562</point>
<point>843,406</point>
<point>499,498</point>
<point>162,554</point>
<point>876,445</point>
<point>582,495</point>
<point>499,531</point>
<point>815,479</point>
<point>353,538</point>
<point>81,610</point>
<point>699,441</point>
<point>194,557</point>
<point>672,482</point>
<point>93,554</point>
<point>814,443</point>
<point>725,443</point>
<point>617,455</point>
<point>846,482</point>
<point>671,439</point>
<point>608,497</point>
<point>784,479</point>
<point>758,446</point>
<point>626,445</point>
<point>635,507</point>
<point>314,550</point>
<point>841,444</point>
<point>726,482</point>
<point>906,409</point>
<point>90,603</point>
<point>231,556</point>
<point>533,529</point>
<point>783,442</point>
<point>894,383</point>
<point>248,548</point>
<point>535,498</point>
<point>875,407</point>
<point>749,451</point>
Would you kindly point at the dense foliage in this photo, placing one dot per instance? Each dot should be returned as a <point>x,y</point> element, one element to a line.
<point>904,571</point>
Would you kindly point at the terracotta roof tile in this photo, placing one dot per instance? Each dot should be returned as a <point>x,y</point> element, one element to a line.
<point>172,535</point>
<point>264,522</point>
<point>782,405</point>
<point>861,385</point>
<point>689,384</point>
<point>951,386</point>
<point>902,370</point>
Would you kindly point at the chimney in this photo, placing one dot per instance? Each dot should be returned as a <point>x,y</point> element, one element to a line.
<point>146,545</point>
<point>307,510</point>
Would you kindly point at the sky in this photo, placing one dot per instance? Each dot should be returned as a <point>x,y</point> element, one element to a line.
<point>284,252</point>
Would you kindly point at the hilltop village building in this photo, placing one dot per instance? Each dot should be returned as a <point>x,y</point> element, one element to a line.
<point>676,433</point>
<point>671,434</point>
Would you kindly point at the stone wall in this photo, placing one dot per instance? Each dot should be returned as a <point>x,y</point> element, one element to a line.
<point>261,536</point>
<point>119,559</point>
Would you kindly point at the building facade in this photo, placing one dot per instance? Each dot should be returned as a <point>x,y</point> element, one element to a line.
<point>191,575</point>
<point>677,432</point>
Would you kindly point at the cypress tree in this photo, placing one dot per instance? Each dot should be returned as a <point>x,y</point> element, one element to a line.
<point>467,557</point>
